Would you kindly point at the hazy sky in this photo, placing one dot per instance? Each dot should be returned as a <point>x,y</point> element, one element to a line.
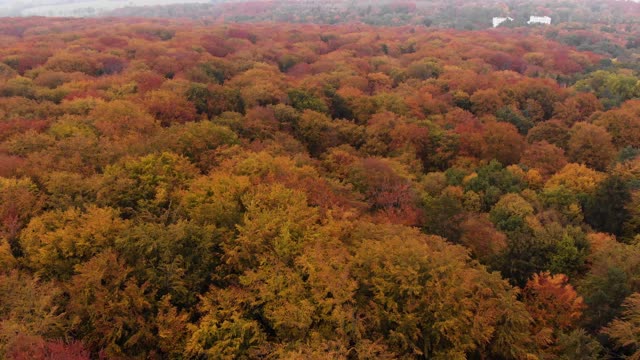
<point>103,2</point>
<point>74,7</point>
<point>80,7</point>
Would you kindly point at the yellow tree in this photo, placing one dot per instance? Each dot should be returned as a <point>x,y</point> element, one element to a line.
<point>109,310</point>
<point>27,311</point>
<point>577,178</point>
<point>56,241</point>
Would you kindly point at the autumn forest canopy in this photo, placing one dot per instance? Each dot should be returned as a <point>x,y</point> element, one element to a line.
<point>275,188</point>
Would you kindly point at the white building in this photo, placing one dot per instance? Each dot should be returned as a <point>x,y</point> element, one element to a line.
<point>539,20</point>
<point>499,20</point>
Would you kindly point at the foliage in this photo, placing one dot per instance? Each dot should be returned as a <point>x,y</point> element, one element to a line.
<point>179,189</point>
<point>624,330</point>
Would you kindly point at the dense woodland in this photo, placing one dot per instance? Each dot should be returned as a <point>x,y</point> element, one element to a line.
<point>189,189</point>
<point>460,14</point>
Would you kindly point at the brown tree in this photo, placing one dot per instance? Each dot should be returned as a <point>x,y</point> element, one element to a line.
<point>590,145</point>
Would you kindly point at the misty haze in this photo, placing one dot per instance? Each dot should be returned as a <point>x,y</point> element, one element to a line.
<point>77,8</point>
<point>320,180</point>
<point>89,8</point>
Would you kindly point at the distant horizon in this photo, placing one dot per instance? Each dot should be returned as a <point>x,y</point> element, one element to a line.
<point>80,8</point>
<point>96,8</point>
<point>89,8</point>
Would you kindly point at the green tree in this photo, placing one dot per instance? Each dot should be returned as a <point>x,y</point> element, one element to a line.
<point>625,330</point>
<point>512,116</point>
<point>607,210</point>
<point>510,213</point>
<point>146,186</point>
<point>302,99</point>
<point>609,281</point>
<point>213,100</point>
